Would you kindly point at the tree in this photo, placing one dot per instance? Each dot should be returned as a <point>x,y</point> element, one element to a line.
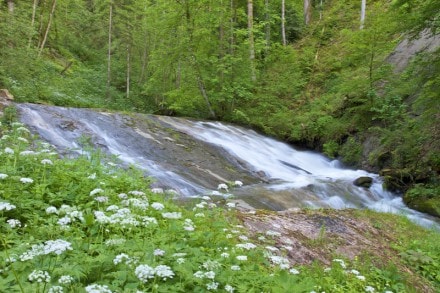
<point>250,13</point>
<point>283,20</point>
<point>307,11</point>
<point>363,8</point>
<point>49,23</point>
<point>109,54</point>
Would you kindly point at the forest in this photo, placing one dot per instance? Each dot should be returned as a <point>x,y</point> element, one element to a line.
<point>314,73</point>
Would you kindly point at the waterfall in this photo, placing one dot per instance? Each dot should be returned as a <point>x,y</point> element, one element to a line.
<point>193,157</point>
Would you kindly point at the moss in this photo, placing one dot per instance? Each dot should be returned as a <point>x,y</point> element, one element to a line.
<point>424,198</point>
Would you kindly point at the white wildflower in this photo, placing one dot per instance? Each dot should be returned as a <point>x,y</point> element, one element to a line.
<point>136,193</point>
<point>39,276</point>
<point>120,258</point>
<point>148,220</point>
<point>224,255</point>
<point>231,204</point>
<point>28,153</point>
<point>115,242</point>
<point>172,215</point>
<point>14,223</point>
<point>294,271</point>
<point>238,183</point>
<point>354,272</point>
<point>144,272</point>
<point>247,246</point>
<point>56,289</point>
<point>272,248</point>
<point>205,197</point>
<point>157,206</point>
<point>235,268</point>
<point>65,280</point>
<point>210,275</point>
<point>64,221</point>
<point>179,254</point>
<point>96,288</point>
<point>26,180</point>
<point>122,196</point>
<point>96,191</point>
<point>92,176</point>
<point>46,162</point>
<point>199,274</point>
<point>242,257</point>
<point>51,210</point>
<point>211,265</point>
<point>101,199</point>
<point>341,262</point>
<point>216,193</point>
<point>222,186</point>
<point>243,237</point>
<point>180,260</point>
<point>23,129</point>
<point>229,236</point>
<point>57,246</point>
<point>6,206</point>
<point>3,176</point>
<point>157,190</point>
<point>164,272</point>
<point>261,238</point>
<point>369,289</point>
<point>9,151</point>
<point>362,278</point>
<point>22,139</point>
<point>199,215</point>
<point>159,252</point>
<point>212,286</point>
<point>229,288</point>
<point>112,208</point>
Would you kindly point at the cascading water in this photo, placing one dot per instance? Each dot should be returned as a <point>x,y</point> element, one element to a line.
<point>276,176</point>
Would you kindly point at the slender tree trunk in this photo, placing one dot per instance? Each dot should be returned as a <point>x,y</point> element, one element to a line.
<point>283,21</point>
<point>11,6</point>
<point>109,54</point>
<point>250,7</point>
<point>231,38</point>
<point>52,11</point>
<point>34,11</point>
<point>40,27</point>
<point>363,8</point>
<point>267,26</point>
<point>128,71</point>
<point>307,11</point>
<point>320,10</point>
<point>144,64</point>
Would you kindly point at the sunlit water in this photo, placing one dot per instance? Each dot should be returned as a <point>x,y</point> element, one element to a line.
<point>292,178</point>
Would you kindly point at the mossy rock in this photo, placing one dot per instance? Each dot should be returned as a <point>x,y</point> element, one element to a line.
<point>363,181</point>
<point>430,206</point>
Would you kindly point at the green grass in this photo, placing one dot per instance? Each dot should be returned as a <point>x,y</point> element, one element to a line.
<point>83,223</point>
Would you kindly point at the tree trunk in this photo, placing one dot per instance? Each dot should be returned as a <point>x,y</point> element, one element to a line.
<point>250,7</point>
<point>363,8</point>
<point>320,10</point>
<point>11,6</point>
<point>109,54</point>
<point>52,11</point>
<point>307,11</point>
<point>231,37</point>
<point>267,26</point>
<point>283,21</point>
<point>34,11</point>
<point>128,72</point>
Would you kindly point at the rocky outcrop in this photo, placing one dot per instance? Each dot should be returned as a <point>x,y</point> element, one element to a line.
<point>426,41</point>
<point>6,99</point>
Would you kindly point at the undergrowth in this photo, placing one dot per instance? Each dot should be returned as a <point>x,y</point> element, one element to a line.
<point>83,224</point>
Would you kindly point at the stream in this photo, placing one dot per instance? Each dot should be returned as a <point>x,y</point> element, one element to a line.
<point>193,157</point>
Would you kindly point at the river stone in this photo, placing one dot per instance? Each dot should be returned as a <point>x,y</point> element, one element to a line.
<point>363,181</point>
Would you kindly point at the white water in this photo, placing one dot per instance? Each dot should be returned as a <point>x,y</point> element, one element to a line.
<point>292,170</point>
